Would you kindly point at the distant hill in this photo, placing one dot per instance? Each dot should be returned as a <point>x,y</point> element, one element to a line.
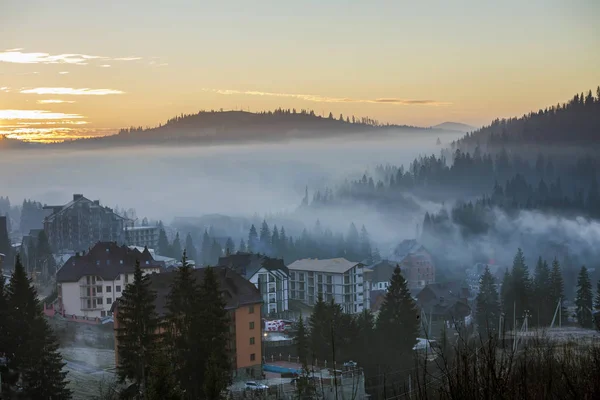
<point>454,126</point>
<point>574,123</point>
<point>217,127</point>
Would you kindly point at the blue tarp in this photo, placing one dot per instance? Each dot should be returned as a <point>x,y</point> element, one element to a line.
<point>280,370</point>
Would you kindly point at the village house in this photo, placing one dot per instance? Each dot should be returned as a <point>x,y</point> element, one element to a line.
<point>242,301</point>
<point>336,279</point>
<point>444,305</point>
<point>269,275</point>
<point>81,223</point>
<point>89,283</point>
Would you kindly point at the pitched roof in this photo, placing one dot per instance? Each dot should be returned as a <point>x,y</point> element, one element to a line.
<point>77,198</point>
<point>382,271</point>
<point>106,260</point>
<point>332,265</point>
<point>237,290</point>
<point>405,248</point>
<point>248,264</point>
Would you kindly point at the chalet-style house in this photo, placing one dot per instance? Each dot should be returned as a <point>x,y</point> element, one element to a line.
<point>336,279</point>
<point>415,263</point>
<point>444,304</point>
<point>269,275</point>
<point>243,302</point>
<point>81,223</point>
<point>89,283</point>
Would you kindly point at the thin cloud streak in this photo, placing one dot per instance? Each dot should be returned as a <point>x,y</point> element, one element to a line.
<point>18,57</point>
<point>71,91</point>
<point>4,89</point>
<point>54,101</point>
<point>35,115</point>
<point>63,72</point>
<point>325,99</point>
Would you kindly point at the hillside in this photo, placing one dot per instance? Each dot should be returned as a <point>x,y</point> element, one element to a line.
<point>574,123</point>
<point>212,127</point>
<point>454,126</point>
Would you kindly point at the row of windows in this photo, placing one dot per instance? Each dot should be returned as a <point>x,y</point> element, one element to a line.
<point>108,289</point>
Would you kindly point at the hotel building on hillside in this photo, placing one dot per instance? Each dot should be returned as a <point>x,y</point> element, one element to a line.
<point>88,284</point>
<point>334,279</point>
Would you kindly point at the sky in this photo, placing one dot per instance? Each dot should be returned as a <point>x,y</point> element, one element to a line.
<point>71,68</point>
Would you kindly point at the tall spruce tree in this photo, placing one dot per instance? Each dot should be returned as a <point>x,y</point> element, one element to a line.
<point>265,238</point>
<point>397,327</point>
<point>162,381</point>
<point>164,248</point>
<point>320,334</point>
<point>302,342</point>
<point>487,305</point>
<point>584,299</point>
<point>521,288</point>
<point>352,244</point>
<point>33,348</point>
<point>190,249</point>
<point>597,299</point>
<point>229,246</point>
<point>506,297</point>
<point>365,246</point>
<point>176,247</point>
<point>542,289</point>
<point>252,240</point>
<point>242,247</point>
<point>557,291</point>
<point>137,331</point>
<point>215,338</point>
<point>206,247</point>
<point>215,252</point>
<point>184,328</point>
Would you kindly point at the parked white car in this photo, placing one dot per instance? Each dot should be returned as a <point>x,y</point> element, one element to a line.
<point>256,386</point>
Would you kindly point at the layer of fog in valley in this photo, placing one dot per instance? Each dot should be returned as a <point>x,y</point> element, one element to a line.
<point>163,183</point>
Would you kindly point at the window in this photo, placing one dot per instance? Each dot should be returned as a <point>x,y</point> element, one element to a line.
<point>252,340</point>
<point>108,301</point>
<point>252,357</point>
<point>251,324</point>
<point>251,310</point>
<point>118,288</point>
<point>293,276</point>
<point>99,301</point>
<point>107,289</point>
<point>99,289</point>
<point>121,262</point>
<point>107,262</point>
<point>97,262</point>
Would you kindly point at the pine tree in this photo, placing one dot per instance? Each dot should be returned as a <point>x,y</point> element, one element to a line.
<point>584,299</point>
<point>190,249</point>
<point>162,383</point>
<point>229,246</point>
<point>137,330</point>
<point>215,337</point>
<point>557,291</point>
<point>242,247</point>
<point>320,334</point>
<point>164,248</point>
<point>252,240</point>
<point>265,238</point>
<point>33,348</point>
<point>597,300</point>
<point>184,329</point>
<point>302,343</point>
<point>275,245</point>
<point>487,305</point>
<point>365,246</point>
<point>398,318</point>
<point>283,244</point>
<point>215,252</point>
<point>206,247</point>
<point>352,244</point>
<point>176,247</point>
<point>542,288</point>
<point>520,288</point>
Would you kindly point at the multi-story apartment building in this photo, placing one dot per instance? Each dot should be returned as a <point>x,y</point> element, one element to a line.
<point>81,223</point>
<point>269,275</point>
<point>415,263</point>
<point>243,303</point>
<point>334,279</point>
<point>88,284</point>
<point>143,236</point>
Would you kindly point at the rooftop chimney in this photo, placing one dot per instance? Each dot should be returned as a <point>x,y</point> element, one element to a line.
<point>77,197</point>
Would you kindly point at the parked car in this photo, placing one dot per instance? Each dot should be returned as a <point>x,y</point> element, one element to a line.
<point>256,386</point>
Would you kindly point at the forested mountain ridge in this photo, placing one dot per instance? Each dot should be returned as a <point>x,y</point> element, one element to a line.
<point>576,122</point>
<point>209,127</point>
